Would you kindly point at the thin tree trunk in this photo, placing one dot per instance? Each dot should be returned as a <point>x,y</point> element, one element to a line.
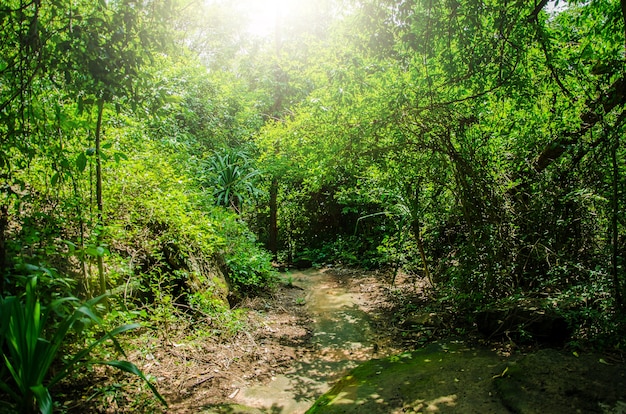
<point>273,231</point>
<point>614,227</point>
<point>415,225</point>
<point>4,224</point>
<point>99,203</point>
<point>416,228</point>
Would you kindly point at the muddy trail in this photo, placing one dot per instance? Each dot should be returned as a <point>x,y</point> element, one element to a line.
<point>334,340</point>
<point>341,338</point>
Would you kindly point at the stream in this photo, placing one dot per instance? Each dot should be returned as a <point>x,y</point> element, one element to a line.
<point>342,339</point>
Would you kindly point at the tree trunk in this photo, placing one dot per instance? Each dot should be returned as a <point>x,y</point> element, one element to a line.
<point>415,226</point>
<point>613,97</point>
<point>614,227</point>
<point>273,231</point>
<point>99,203</point>
<point>4,224</point>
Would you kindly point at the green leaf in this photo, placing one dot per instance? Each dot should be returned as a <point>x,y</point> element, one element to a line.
<point>81,162</point>
<point>44,400</point>
<point>87,311</point>
<point>120,156</point>
<point>132,369</point>
<point>55,179</point>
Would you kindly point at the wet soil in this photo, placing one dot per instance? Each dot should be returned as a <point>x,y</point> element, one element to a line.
<point>341,338</point>
<point>296,342</point>
<point>310,336</point>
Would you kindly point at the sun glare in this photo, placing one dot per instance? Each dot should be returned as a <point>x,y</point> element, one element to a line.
<point>263,15</point>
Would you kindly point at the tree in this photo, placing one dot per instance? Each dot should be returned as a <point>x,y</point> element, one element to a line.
<point>105,49</point>
<point>418,106</point>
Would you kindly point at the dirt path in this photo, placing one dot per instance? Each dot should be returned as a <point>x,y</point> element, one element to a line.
<point>297,342</point>
<point>305,336</point>
<point>341,339</point>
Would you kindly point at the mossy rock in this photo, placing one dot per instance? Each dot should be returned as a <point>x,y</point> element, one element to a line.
<point>440,378</point>
<point>456,379</point>
<point>551,381</point>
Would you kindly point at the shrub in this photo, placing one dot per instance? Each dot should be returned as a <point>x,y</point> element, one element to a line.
<point>30,347</point>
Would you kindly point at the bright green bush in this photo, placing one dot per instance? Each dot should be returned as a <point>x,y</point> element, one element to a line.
<point>159,214</point>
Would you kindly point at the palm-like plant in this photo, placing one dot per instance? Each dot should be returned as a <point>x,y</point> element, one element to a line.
<point>233,178</point>
<point>30,346</point>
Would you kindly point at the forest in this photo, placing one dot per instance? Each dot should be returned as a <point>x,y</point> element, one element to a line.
<point>161,164</point>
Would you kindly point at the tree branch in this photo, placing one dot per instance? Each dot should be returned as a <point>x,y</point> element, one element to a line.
<point>538,8</point>
<point>614,97</point>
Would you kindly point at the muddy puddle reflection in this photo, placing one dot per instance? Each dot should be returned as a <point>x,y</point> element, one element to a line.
<point>342,339</point>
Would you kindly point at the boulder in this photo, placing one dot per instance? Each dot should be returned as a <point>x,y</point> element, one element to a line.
<point>524,324</point>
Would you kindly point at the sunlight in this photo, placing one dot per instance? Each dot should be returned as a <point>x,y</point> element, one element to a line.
<point>260,17</point>
<point>263,15</point>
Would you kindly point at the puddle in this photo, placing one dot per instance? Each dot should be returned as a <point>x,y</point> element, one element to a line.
<point>341,340</point>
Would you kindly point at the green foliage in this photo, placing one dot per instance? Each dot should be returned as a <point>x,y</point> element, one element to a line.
<point>479,141</point>
<point>500,172</point>
<point>232,177</point>
<point>250,267</point>
<point>33,334</point>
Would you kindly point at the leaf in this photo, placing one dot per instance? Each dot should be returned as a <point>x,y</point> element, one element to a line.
<point>87,311</point>
<point>120,156</point>
<point>44,400</point>
<point>502,374</point>
<point>132,369</point>
<point>55,179</point>
<point>71,246</point>
<point>81,162</point>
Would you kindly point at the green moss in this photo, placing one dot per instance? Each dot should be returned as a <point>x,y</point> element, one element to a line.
<point>437,375</point>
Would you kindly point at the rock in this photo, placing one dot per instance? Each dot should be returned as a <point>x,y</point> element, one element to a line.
<point>205,276</point>
<point>551,381</point>
<point>452,378</point>
<point>439,378</point>
<point>524,324</point>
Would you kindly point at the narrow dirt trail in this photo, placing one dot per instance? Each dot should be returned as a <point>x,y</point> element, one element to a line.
<point>302,338</point>
<point>342,338</point>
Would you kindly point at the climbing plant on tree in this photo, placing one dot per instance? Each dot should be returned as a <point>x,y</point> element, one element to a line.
<point>503,118</point>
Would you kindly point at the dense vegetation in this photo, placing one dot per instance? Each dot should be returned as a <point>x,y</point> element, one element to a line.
<point>156,153</point>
